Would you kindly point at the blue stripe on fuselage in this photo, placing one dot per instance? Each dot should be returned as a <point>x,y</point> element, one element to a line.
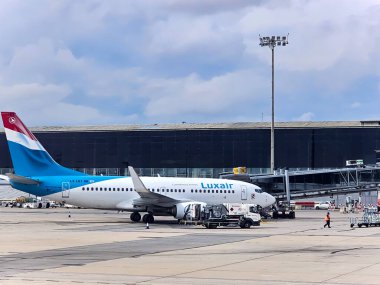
<point>53,184</point>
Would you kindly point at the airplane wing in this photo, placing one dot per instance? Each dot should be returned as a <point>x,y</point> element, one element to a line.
<point>147,197</point>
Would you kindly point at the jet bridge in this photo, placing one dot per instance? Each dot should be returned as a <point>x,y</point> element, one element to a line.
<point>288,185</point>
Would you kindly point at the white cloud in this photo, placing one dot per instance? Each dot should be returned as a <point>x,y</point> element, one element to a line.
<point>305,117</point>
<point>355,105</point>
<point>193,95</point>
<point>41,104</point>
<point>138,61</point>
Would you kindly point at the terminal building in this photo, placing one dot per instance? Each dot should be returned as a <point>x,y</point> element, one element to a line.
<point>206,150</point>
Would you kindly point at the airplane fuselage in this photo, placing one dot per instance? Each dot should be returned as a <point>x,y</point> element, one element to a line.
<point>113,192</point>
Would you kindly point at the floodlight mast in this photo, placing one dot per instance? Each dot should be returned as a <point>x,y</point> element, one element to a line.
<point>272,42</point>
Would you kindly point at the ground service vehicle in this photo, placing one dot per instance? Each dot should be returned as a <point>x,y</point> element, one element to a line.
<point>369,218</point>
<point>284,210</point>
<point>243,215</point>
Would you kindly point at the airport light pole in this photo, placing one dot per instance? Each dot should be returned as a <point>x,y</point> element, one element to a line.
<point>272,42</point>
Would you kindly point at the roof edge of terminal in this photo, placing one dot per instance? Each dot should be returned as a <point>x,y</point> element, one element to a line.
<point>208,126</point>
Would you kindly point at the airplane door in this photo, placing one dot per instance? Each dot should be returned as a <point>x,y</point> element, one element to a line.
<point>244,192</point>
<point>65,189</point>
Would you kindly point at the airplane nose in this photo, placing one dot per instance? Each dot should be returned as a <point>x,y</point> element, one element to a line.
<point>271,199</point>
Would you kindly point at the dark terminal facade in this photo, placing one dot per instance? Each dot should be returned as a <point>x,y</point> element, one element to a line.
<point>206,150</point>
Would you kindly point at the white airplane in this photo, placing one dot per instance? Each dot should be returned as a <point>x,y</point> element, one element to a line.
<point>37,173</point>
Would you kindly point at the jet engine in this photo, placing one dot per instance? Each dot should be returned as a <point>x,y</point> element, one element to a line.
<point>184,209</point>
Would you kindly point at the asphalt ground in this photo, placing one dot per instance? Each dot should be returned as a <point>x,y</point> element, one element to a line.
<point>46,246</point>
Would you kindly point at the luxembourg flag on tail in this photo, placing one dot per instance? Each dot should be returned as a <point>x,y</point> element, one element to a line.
<point>29,157</point>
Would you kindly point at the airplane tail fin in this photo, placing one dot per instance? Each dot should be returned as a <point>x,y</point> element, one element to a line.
<point>28,156</point>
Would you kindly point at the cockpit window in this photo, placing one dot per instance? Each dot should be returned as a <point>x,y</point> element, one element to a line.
<point>258,191</point>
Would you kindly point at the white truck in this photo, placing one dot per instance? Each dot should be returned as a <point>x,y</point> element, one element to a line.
<point>243,215</point>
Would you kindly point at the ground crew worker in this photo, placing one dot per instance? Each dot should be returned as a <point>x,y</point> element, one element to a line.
<point>327,220</point>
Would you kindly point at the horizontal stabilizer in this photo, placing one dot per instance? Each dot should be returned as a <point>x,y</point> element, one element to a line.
<point>4,177</point>
<point>21,179</point>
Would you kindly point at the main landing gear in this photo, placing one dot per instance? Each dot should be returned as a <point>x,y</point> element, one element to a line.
<point>135,217</point>
<point>147,218</point>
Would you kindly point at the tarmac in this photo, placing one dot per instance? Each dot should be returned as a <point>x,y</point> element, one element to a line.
<point>46,246</point>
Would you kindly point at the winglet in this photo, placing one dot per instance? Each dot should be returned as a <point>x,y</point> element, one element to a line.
<point>148,197</point>
<point>137,183</point>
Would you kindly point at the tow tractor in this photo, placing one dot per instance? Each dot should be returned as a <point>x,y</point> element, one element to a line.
<point>235,214</point>
<point>283,210</point>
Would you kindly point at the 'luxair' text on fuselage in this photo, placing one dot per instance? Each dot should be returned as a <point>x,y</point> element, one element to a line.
<point>216,185</point>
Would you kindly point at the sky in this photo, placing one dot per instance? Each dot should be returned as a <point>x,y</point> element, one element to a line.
<point>101,62</point>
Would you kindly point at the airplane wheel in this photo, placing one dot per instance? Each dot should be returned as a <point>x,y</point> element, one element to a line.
<point>148,218</point>
<point>135,217</point>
